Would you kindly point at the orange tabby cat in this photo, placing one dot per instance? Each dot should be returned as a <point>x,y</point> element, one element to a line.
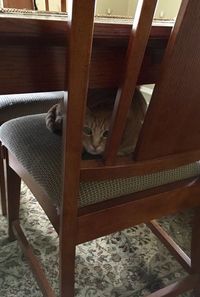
<point>97,121</point>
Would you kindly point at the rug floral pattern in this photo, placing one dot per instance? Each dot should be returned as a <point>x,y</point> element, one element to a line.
<point>131,263</point>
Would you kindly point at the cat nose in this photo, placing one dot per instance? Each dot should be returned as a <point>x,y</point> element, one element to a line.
<point>95,146</point>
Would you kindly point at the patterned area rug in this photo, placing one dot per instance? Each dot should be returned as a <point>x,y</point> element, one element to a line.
<point>131,263</point>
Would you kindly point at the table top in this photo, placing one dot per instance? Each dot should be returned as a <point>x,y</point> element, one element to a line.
<point>34,45</point>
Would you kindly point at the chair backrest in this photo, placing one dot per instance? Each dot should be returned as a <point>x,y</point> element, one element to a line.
<point>170,109</point>
<point>170,133</point>
<point>172,122</point>
<point>80,48</point>
<point>171,125</point>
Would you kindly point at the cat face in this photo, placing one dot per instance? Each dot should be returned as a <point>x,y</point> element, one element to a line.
<point>95,131</point>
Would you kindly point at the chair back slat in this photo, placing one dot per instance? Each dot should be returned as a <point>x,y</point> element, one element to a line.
<point>63,5</point>
<point>135,53</point>
<point>28,4</point>
<point>170,134</point>
<point>47,5</point>
<point>80,47</point>
<point>172,122</point>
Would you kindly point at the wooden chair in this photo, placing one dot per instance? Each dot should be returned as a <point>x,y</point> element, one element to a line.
<point>17,105</point>
<point>15,100</point>
<point>161,165</point>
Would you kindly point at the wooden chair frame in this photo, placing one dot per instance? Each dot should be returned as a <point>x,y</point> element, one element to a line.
<point>2,182</point>
<point>119,213</point>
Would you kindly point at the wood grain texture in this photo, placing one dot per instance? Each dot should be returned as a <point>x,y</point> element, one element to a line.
<point>119,213</point>
<point>172,122</point>
<point>171,245</point>
<point>125,167</point>
<point>34,262</point>
<point>47,5</point>
<point>136,48</point>
<point>2,183</point>
<point>63,5</point>
<point>33,54</point>
<point>81,37</point>
<point>195,248</point>
<point>13,197</point>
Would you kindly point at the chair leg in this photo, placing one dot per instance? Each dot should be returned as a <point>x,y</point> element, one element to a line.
<point>195,250</point>
<point>2,183</point>
<point>67,265</point>
<point>13,190</point>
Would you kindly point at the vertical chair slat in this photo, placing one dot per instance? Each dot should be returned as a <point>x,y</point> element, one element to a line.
<point>135,53</point>
<point>47,5</point>
<point>195,248</point>
<point>168,128</point>
<point>63,5</point>
<point>2,183</point>
<point>80,46</point>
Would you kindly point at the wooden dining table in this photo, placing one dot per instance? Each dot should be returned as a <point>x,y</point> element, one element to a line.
<point>34,51</point>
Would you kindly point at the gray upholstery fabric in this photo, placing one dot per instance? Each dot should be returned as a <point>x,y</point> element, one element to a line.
<point>17,105</point>
<point>39,151</point>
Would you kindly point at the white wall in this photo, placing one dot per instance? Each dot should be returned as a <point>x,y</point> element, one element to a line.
<point>169,8</point>
<point>131,7</point>
<point>54,5</point>
<point>166,9</point>
<point>116,7</point>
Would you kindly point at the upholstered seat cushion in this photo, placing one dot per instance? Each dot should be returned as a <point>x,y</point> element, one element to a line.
<point>17,105</point>
<point>39,151</point>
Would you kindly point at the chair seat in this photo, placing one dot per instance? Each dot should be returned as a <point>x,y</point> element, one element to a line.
<point>17,105</point>
<point>39,151</point>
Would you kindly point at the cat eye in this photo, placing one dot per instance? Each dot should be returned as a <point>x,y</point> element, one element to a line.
<point>87,131</point>
<point>105,134</point>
